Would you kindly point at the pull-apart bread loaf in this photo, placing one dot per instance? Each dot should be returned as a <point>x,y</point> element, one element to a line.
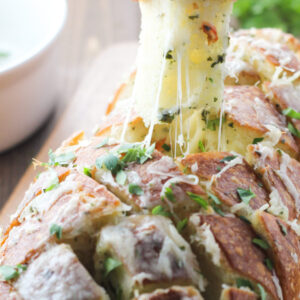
<point>189,190</point>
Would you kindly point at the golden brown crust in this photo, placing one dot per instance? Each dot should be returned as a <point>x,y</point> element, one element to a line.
<point>285,251</point>
<point>31,233</point>
<point>232,293</point>
<point>225,186</point>
<point>234,238</point>
<point>248,107</point>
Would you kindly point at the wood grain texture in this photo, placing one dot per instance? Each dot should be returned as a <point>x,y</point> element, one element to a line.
<point>84,112</point>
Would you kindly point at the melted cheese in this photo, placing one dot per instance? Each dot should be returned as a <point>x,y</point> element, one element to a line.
<point>179,65</point>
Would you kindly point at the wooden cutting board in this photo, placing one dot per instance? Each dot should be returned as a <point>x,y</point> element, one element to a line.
<point>84,112</point>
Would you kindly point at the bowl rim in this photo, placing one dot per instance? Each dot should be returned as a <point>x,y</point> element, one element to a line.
<point>37,52</point>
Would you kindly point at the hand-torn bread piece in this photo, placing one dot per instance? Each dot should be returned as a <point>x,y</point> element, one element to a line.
<point>232,293</point>
<point>57,274</point>
<point>159,180</point>
<point>253,116</point>
<point>78,205</point>
<point>285,95</point>
<point>223,173</point>
<point>173,293</point>
<point>283,247</point>
<point>265,55</point>
<point>280,174</point>
<point>226,254</point>
<point>150,253</point>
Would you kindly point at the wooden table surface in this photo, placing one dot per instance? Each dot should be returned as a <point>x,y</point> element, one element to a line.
<point>92,27</point>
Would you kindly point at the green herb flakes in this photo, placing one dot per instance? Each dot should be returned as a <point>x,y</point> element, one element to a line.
<point>87,171</point>
<point>261,243</point>
<point>201,146</point>
<point>56,230</point>
<point>8,272</point>
<point>121,177</point>
<point>245,220</point>
<point>181,224</point>
<point>289,112</point>
<point>214,198</point>
<point>218,210</point>
<point>111,264</point>
<point>193,17</point>
<point>228,158</point>
<point>263,294</point>
<point>283,229</point>
<point>169,55</point>
<point>169,194</point>
<point>241,282</point>
<point>160,211</point>
<point>293,130</point>
<point>110,161</point>
<point>103,143</point>
<point>166,147</point>
<point>63,159</point>
<point>202,202</point>
<point>135,189</point>
<point>268,263</point>
<point>257,140</point>
<point>245,195</point>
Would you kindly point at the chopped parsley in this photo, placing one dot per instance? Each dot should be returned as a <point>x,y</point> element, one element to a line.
<point>127,153</point>
<point>160,211</point>
<point>63,159</point>
<point>135,189</point>
<point>289,112</point>
<point>241,282</point>
<point>228,158</point>
<point>263,294</point>
<point>245,220</point>
<point>294,131</point>
<point>87,171</point>
<point>193,17</point>
<point>282,228</point>
<point>213,124</point>
<point>214,198</point>
<point>111,264</point>
<point>169,55</point>
<point>257,140</point>
<point>53,183</point>
<point>121,177</point>
<point>166,147</point>
<point>169,194</point>
<point>268,263</point>
<point>202,202</point>
<point>181,224</point>
<point>261,243</point>
<point>11,272</point>
<point>111,162</point>
<point>245,195</point>
<point>56,230</point>
<point>201,146</point>
<point>102,144</point>
<point>166,116</point>
<point>218,210</point>
<point>220,60</point>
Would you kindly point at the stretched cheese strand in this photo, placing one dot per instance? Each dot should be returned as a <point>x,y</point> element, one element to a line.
<point>179,66</point>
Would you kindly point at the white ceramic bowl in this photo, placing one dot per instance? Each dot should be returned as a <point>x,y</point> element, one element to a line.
<point>28,66</point>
